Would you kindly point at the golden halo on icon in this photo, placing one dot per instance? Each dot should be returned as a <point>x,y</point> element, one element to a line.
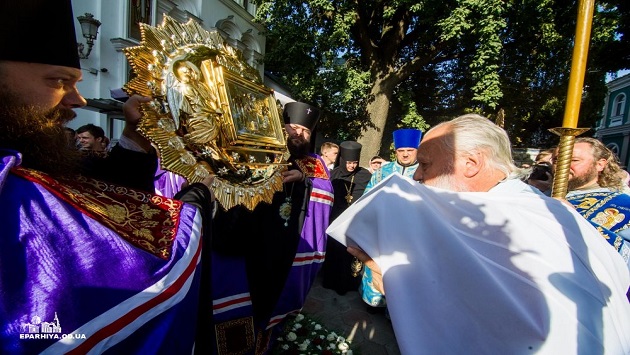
<point>210,112</point>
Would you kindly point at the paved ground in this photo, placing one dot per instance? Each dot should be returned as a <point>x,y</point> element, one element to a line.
<point>370,332</point>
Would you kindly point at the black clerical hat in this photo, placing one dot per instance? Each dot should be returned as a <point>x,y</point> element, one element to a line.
<point>38,31</point>
<point>350,151</point>
<point>300,113</point>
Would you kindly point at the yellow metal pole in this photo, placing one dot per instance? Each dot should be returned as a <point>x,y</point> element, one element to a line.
<point>569,129</point>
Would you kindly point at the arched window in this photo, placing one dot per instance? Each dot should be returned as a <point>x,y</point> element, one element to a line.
<point>617,110</point>
<point>252,50</point>
<point>250,42</point>
<point>619,105</point>
<point>230,29</point>
<point>613,147</point>
<point>187,5</point>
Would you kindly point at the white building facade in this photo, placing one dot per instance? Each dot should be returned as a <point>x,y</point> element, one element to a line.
<point>614,127</point>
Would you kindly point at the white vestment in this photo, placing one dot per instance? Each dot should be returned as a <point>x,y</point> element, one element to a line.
<point>507,271</point>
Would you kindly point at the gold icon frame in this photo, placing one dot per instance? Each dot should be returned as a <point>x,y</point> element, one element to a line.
<point>210,114</point>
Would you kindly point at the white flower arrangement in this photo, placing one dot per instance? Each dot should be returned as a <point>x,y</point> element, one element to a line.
<point>306,336</point>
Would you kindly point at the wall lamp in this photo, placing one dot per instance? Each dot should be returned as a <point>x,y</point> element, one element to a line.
<point>89,27</point>
<point>95,71</point>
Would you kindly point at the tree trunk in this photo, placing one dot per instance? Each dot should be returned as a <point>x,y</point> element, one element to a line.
<point>377,110</point>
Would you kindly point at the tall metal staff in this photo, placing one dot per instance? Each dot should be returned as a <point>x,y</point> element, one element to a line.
<point>569,129</point>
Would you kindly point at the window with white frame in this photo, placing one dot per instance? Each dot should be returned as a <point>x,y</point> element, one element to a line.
<point>618,109</point>
<point>247,5</point>
<point>139,12</point>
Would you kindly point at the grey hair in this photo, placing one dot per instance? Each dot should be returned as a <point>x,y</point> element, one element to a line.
<point>475,133</point>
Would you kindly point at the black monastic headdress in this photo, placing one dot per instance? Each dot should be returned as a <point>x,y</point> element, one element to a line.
<point>38,31</point>
<point>300,113</point>
<point>350,151</point>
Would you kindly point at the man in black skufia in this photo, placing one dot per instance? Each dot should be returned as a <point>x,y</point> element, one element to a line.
<point>265,260</point>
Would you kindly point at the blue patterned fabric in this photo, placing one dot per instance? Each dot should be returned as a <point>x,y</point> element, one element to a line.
<point>389,168</point>
<point>368,293</point>
<point>609,212</point>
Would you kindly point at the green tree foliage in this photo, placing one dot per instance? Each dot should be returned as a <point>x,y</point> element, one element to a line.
<point>374,66</point>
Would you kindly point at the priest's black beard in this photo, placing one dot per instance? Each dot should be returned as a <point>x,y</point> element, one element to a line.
<point>298,147</point>
<point>39,136</point>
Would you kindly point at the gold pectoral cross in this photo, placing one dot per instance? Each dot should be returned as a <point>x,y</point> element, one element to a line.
<point>349,191</point>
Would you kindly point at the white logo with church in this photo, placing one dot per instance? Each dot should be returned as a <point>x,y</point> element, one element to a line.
<point>36,329</point>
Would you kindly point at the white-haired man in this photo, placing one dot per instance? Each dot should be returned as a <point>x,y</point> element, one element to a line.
<point>479,262</point>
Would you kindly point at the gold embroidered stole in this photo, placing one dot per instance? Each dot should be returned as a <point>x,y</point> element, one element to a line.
<point>147,221</point>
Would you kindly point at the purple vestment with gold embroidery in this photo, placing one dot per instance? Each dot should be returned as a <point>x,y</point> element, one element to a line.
<point>71,284</point>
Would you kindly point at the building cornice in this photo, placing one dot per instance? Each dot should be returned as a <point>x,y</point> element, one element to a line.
<point>122,43</point>
<point>622,129</point>
<point>619,83</point>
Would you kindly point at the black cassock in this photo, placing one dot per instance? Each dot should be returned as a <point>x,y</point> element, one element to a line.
<point>336,270</point>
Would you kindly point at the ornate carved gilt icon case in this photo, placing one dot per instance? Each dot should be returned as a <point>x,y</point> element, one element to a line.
<point>210,112</point>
